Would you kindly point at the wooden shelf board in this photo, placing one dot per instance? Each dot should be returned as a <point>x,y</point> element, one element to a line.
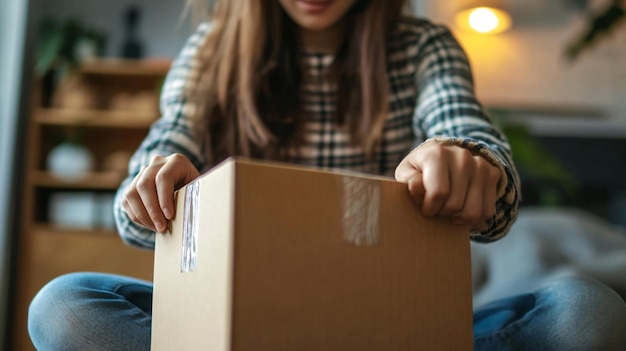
<point>50,229</point>
<point>94,118</point>
<point>92,180</point>
<point>124,67</point>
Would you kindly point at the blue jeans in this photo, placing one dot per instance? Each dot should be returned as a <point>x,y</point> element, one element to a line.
<point>92,311</point>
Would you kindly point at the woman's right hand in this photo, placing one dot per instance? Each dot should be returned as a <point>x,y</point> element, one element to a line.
<point>149,199</point>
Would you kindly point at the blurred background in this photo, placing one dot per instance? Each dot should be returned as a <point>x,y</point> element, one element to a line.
<point>79,83</point>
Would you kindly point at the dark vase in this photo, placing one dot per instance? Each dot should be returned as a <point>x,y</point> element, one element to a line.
<point>132,47</point>
<point>48,86</point>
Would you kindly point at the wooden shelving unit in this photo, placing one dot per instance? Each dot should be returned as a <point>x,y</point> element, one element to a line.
<point>47,229</point>
<point>47,248</point>
<point>93,118</point>
<point>126,68</point>
<point>93,180</point>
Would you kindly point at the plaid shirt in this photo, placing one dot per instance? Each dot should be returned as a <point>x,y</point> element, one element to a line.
<point>432,98</point>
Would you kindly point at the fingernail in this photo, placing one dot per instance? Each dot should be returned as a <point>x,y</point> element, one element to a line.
<point>168,213</point>
<point>159,226</point>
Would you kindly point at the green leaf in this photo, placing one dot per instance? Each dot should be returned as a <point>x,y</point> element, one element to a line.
<point>49,46</point>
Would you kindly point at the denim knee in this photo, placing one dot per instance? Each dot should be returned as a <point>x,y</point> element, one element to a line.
<point>585,315</point>
<point>92,311</point>
<point>571,313</point>
<point>54,314</point>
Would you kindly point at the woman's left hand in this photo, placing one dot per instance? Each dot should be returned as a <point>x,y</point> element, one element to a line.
<point>451,181</point>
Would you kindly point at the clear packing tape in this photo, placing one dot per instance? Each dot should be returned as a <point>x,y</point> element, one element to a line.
<point>189,256</point>
<point>360,204</point>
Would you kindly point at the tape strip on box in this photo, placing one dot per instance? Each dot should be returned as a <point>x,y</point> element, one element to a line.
<point>361,205</point>
<point>189,256</point>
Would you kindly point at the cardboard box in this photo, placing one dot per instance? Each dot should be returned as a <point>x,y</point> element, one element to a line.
<point>291,258</point>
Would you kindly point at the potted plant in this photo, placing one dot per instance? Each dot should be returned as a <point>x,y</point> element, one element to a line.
<point>62,46</point>
<point>555,185</point>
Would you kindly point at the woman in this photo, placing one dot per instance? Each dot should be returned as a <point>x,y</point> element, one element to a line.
<point>332,83</point>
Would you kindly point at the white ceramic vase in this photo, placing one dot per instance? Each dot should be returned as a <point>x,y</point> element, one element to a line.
<point>70,161</point>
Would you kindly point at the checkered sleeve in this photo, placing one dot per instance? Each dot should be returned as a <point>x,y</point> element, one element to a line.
<point>172,133</point>
<point>448,112</point>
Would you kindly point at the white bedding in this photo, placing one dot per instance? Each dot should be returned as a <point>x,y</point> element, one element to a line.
<point>544,244</point>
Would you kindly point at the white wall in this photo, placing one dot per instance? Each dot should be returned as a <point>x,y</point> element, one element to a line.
<point>420,7</point>
<point>525,66</point>
<point>12,32</point>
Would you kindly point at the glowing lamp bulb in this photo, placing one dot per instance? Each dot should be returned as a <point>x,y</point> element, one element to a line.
<point>483,20</point>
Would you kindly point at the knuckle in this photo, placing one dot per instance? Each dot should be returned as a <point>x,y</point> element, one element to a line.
<point>144,184</point>
<point>177,157</point>
<point>130,194</point>
<point>156,159</point>
<point>161,176</point>
<point>435,152</point>
<point>453,206</point>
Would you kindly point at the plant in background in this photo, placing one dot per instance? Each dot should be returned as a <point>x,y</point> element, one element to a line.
<point>555,184</point>
<point>600,25</point>
<point>62,46</point>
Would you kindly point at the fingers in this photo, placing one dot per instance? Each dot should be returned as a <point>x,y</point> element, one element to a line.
<point>459,185</point>
<point>134,206</point>
<point>412,175</point>
<point>406,170</point>
<point>451,181</point>
<point>141,199</point>
<point>147,188</point>
<point>169,178</point>
<point>149,199</point>
<point>137,214</point>
<point>480,197</point>
<point>416,188</point>
<point>472,212</point>
<point>436,176</point>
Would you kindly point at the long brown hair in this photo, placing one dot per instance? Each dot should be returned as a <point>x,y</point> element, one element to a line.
<point>248,92</point>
